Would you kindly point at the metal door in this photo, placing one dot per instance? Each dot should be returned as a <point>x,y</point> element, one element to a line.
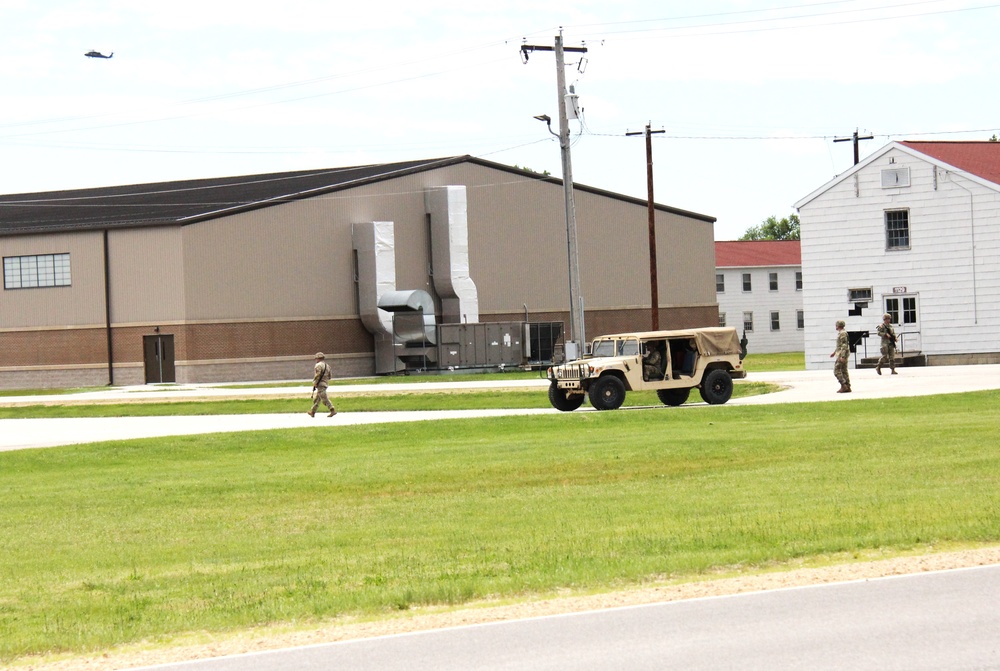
<point>158,356</point>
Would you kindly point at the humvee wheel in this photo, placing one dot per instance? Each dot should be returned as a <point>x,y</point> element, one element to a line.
<point>673,396</point>
<point>607,393</point>
<point>560,400</point>
<point>717,387</point>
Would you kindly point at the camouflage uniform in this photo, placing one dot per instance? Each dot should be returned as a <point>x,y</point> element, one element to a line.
<point>843,353</point>
<point>888,344</point>
<point>651,365</point>
<point>321,376</point>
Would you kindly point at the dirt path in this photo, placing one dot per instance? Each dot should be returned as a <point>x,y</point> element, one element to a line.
<point>416,620</point>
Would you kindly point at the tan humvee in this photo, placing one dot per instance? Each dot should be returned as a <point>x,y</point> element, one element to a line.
<point>669,362</point>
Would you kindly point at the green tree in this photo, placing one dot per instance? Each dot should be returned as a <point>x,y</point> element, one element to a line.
<point>994,138</point>
<point>774,229</point>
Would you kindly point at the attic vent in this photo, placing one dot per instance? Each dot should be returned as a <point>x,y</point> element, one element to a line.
<point>893,177</point>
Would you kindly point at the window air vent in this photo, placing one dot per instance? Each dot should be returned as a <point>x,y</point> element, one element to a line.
<point>894,177</point>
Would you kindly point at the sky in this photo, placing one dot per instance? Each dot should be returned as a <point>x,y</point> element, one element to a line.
<point>750,94</point>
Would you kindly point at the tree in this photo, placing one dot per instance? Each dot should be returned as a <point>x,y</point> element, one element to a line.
<point>994,138</point>
<point>773,229</point>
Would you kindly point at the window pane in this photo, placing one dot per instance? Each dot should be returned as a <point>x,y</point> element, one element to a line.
<point>910,310</point>
<point>775,322</point>
<point>720,283</point>
<point>798,280</point>
<point>897,229</point>
<point>746,282</point>
<point>44,270</point>
<point>892,307</point>
<point>800,319</point>
<point>748,321</point>
<point>772,279</point>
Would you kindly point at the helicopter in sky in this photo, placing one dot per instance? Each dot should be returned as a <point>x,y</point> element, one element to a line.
<point>97,54</point>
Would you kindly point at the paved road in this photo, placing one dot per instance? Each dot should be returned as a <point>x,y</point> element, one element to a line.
<point>944,620</point>
<point>801,387</point>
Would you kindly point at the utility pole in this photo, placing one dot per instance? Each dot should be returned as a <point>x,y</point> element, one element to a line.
<point>654,291</point>
<point>577,329</point>
<point>855,139</point>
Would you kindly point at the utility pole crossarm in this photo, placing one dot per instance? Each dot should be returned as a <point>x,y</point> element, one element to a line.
<point>854,138</point>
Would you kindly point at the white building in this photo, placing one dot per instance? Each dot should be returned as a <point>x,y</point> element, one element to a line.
<point>913,230</point>
<point>758,285</point>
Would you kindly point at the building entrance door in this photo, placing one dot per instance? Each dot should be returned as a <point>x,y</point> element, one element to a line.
<point>158,356</point>
<point>905,316</point>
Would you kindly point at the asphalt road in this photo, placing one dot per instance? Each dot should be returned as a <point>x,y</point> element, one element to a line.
<point>800,387</point>
<point>943,620</point>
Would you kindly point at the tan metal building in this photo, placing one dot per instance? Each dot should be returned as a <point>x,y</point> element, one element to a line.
<point>244,278</point>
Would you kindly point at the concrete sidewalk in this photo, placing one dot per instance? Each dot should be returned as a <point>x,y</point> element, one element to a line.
<point>800,387</point>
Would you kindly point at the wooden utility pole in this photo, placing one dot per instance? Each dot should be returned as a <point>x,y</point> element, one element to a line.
<point>654,291</point>
<point>855,139</point>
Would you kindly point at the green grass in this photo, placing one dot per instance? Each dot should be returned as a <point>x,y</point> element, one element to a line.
<point>146,540</point>
<point>775,362</point>
<point>387,401</point>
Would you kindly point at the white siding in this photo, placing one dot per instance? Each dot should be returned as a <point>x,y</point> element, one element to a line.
<point>762,301</point>
<point>951,266</point>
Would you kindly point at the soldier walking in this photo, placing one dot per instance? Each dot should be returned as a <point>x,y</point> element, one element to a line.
<point>842,352</point>
<point>888,344</point>
<point>321,378</point>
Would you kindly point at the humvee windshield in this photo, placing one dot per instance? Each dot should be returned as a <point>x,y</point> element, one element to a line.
<point>615,347</point>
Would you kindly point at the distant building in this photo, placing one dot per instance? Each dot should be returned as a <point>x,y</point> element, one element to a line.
<point>246,278</point>
<point>759,288</point>
<point>914,231</point>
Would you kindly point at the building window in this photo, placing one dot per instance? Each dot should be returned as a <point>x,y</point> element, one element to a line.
<point>722,319</point>
<point>772,279</point>
<point>859,295</point>
<point>43,270</point>
<point>800,319</point>
<point>897,229</point>
<point>902,310</point>
<point>720,283</point>
<point>748,322</point>
<point>775,322</point>
<point>746,282</point>
<point>798,280</point>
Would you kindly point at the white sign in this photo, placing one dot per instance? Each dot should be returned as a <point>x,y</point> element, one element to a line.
<point>899,290</point>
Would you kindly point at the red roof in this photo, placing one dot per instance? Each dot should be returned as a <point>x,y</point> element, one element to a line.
<point>979,158</point>
<point>736,253</point>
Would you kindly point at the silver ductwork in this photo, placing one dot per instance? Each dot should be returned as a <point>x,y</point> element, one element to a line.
<point>413,312</point>
<point>448,210</point>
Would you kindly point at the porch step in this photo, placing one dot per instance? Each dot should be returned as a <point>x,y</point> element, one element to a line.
<point>902,360</point>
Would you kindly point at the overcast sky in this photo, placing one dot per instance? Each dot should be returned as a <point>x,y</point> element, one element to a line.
<point>750,93</point>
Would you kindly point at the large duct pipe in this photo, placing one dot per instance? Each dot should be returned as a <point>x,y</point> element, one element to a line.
<point>448,210</point>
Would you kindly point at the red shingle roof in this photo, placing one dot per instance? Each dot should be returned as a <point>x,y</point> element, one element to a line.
<point>735,254</point>
<point>979,158</point>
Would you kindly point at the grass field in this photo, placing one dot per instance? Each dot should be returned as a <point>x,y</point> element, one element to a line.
<point>146,540</point>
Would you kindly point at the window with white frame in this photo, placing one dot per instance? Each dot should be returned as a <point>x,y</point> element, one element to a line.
<point>747,286</point>
<point>897,229</point>
<point>720,283</point>
<point>800,319</point>
<point>798,280</point>
<point>902,310</point>
<point>775,321</point>
<point>772,281</point>
<point>748,322</point>
<point>41,270</point>
<point>722,319</point>
<point>859,295</point>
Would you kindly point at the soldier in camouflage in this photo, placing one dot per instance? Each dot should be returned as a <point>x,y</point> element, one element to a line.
<point>888,344</point>
<point>321,377</point>
<point>842,352</point>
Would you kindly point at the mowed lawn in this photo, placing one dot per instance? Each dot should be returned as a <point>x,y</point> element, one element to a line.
<point>146,540</point>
